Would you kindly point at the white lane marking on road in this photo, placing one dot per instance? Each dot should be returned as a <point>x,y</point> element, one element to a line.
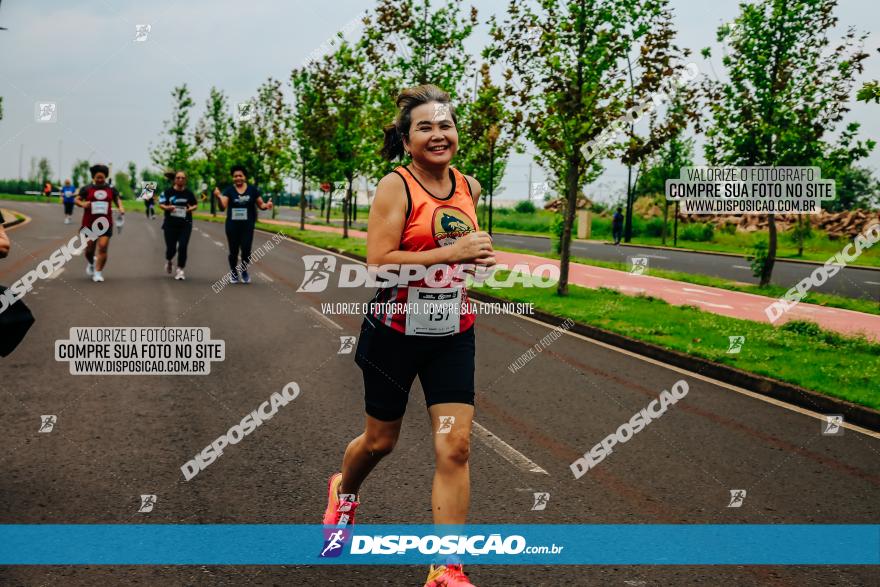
<point>742,267</point>
<point>325,318</point>
<point>655,256</point>
<point>266,277</point>
<point>701,291</point>
<point>710,304</point>
<point>218,243</point>
<point>505,451</point>
<point>710,380</point>
<point>658,363</point>
<point>873,282</point>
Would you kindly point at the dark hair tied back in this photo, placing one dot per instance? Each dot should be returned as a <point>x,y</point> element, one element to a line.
<point>408,100</point>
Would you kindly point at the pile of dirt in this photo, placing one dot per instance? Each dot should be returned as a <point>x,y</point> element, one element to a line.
<point>557,204</point>
<point>838,225</point>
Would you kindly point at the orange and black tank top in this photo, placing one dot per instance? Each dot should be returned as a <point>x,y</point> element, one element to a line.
<point>431,222</point>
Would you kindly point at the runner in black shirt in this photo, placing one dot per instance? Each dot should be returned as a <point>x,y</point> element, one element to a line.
<point>178,203</point>
<point>241,201</point>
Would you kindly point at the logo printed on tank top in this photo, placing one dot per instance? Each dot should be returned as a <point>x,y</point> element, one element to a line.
<point>100,194</point>
<point>449,224</point>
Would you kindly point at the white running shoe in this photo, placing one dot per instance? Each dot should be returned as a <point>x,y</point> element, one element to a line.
<point>97,277</point>
<point>67,220</point>
<point>179,275</point>
<point>90,269</point>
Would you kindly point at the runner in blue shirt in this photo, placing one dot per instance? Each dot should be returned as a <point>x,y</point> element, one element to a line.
<point>68,194</point>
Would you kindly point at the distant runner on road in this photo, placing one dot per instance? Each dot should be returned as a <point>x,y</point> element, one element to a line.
<point>96,200</point>
<point>241,201</point>
<point>68,195</point>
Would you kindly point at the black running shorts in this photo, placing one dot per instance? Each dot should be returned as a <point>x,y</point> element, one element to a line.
<point>391,360</point>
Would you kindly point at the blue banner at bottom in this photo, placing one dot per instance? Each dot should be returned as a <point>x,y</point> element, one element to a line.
<point>514,544</point>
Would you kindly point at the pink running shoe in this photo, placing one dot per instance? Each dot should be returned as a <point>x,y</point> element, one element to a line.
<point>447,576</point>
<point>340,508</point>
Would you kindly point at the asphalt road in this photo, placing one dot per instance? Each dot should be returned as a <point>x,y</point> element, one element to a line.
<point>851,282</point>
<point>118,437</point>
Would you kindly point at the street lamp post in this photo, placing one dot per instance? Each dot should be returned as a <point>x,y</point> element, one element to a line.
<point>493,137</point>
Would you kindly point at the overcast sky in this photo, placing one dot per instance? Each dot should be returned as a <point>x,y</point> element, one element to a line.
<point>113,93</point>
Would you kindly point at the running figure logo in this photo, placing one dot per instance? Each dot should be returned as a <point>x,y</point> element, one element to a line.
<point>446,423</point>
<point>141,32</point>
<point>47,423</point>
<point>245,111</point>
<point>441,112</point>
<point>46,112</point>
<point>638,265</point>
<point>333,543</point>
<point>735,344</point>
<point>541,500</point>
<point>345,501</point>
<point>147,504</point>
<point>737,497</point>
<point>346,345</point>
<point>833,425</point>
<point>318,270</point>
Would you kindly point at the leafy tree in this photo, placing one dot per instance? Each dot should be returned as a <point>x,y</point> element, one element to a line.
<point>412,43</point>
<point>176,149</point>
<point>344,96</point>
<point>856,187</point>
<point>305,126</point>
<point>786,89</point>
<point>132,177</point>
<point>80,174</point>
<point>213,139</point>
<point>567,75</point>
<point>314,130</point>
<point>42,172</point>
<point>665,164</point>
<point>408,43</point>
<point>263,141</point>
<point>122,181</point>
<point>661,73</point>
<point>480,120</point>
<point>870,91</point>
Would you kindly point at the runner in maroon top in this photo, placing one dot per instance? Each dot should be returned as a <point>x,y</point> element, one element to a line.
<point>96,200</point>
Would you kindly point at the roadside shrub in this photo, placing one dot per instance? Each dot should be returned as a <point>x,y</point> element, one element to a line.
<point>525,207</point>
<point>654,227</point>
<point>698,232</point>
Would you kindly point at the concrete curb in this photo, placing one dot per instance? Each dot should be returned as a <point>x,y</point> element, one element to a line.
<point>7,213</point>
<point>786,392</point>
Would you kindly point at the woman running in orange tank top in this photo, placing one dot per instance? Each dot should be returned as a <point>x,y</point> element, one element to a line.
<point>424,213</point>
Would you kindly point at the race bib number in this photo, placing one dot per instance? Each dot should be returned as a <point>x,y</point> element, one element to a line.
<point>100,207</point>
<point>239,213</point>
<point>179,212</point>
<point>433,311</point>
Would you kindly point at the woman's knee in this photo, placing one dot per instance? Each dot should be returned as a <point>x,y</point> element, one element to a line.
<point>380,444</point>
<point>454,449</point>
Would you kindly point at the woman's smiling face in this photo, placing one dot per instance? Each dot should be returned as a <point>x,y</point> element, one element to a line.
<point>433,138</point>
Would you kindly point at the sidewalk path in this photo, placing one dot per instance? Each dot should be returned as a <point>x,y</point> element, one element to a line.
<point>709,299</point>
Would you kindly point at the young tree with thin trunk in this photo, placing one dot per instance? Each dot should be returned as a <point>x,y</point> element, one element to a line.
<point>568,76</point>
<point>787,89</point>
